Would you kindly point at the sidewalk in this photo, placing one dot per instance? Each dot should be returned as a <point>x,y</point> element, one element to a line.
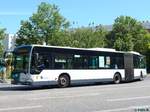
<point>8,81</point>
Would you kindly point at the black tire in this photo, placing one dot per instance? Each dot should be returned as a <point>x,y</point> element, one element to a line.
<point>64,81</point>
<point>117,78</point>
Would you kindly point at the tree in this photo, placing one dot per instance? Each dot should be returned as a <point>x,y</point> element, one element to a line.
<point>2,36</point>
<point>88,37</point>
<point>147,51</point>
<point>43,26</point>
<point>99,39</point>
<point>27,34</point>
<point>128,34</point>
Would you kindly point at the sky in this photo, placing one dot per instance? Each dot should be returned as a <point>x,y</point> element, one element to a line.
<point>82,12</point>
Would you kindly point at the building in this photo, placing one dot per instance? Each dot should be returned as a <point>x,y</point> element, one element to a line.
<point>145,24</point>
<point>9,42</point>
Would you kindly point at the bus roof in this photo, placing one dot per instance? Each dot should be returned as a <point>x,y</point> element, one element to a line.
<point>87,49</point>
<point>133,52</point>
<point>74,48</point>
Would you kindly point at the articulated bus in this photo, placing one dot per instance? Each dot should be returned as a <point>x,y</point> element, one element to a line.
<point>63,66</point>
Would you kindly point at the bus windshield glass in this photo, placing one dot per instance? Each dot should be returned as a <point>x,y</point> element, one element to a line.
<point>21,60</point>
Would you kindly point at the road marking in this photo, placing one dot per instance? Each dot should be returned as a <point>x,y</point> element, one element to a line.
<point>20,108</point>
<point>96,89</point>
<point>126,99</point>
<point>66,96</point>
<point>134,108</point>
<point>114,110</point>
<point>115,87</point>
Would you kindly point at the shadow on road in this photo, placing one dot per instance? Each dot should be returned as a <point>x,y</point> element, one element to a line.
<point>10,87</point>
<point>22,88</point>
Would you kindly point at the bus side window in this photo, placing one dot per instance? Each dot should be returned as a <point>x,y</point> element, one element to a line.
<point>107,62</point>
<point>80,62</point>
<point>42,62</point>
<point>62,61</point>
<point>46,63</point>
<point>119,62</point>
<point>77,62</point>
<point>93,62</point>
<point>104,62</point>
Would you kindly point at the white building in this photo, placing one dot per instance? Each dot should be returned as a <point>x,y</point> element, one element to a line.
<point>9,42</point>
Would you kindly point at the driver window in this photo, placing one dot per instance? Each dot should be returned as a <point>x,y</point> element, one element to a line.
<point>41,63</point>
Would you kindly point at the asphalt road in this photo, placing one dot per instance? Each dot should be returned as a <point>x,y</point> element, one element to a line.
<point>126,97</point>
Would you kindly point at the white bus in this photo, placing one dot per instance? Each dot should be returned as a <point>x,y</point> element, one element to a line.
<point>51,65</point>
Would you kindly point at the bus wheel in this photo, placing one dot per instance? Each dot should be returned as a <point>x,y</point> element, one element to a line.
<point>63,81</point>
<point>141,77</point>
<point>117,78</point>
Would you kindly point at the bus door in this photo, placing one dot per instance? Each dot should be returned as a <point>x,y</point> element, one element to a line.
<point>129,67</point>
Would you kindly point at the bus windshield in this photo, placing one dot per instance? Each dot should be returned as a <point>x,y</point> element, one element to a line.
<point>21,60</point>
